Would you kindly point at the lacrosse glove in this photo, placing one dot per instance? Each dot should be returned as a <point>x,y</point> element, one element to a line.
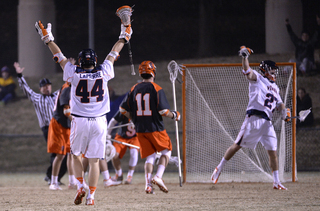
<point>245,52</point>
<point>45,34</point>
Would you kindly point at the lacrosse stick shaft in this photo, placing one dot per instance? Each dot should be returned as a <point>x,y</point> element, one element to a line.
<point>177,131</point>
<point>120,142</point>
<point>118,126</point>
<point>131,60</point>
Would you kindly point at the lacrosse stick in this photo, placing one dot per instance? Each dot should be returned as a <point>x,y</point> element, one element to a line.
<point>118,126</point>
<point>120,142</point>
<point>302,115</point>
<point>173,69</point>
<point>124,13</point>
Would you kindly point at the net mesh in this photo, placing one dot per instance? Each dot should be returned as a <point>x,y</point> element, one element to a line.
<point>216,98</point>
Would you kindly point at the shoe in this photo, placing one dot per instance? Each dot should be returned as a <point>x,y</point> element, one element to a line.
<point>128,180</point>
<point>215,176</point>
<point>89,201</point>
<point>72,186</point>
<point>158,181</point>
<point>279,186</point>
<point>117,178</point>
<point>80,194</point>
<point>149,189</point>
<point>110,182</point>
<point>54,187</point>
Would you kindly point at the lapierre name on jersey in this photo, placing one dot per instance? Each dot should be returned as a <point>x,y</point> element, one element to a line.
<point>91,75</point>
<point>270,88</point>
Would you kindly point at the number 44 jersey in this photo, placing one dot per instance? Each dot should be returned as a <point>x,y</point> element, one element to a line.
<point>263,95</point>
<point>89,89</point>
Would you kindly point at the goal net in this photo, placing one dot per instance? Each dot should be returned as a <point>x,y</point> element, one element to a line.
<point>215,98</point>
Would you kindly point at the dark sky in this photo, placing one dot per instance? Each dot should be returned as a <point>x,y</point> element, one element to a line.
<point>169,30</point>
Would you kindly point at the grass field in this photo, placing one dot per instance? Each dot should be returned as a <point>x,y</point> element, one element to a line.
<point>28,191</point>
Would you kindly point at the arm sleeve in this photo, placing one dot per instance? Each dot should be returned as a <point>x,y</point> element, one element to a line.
<point>26,89</point>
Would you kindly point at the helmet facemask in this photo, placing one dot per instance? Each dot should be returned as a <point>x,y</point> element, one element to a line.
<point>269,69</point>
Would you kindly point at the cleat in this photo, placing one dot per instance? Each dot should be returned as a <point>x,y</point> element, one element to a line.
<point>149,189</point>
<point>279,186</point>
<point>128,180</point>
<point>109,182</point>
<point>215,176</point>
<point>158,181</point>
<point>80,194</point>
<point>89,201</point>
<point>72,186</point>
<point>54,187</point>
<point>117,178</point>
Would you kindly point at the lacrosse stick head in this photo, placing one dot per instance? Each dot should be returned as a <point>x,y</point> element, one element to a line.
<point>124,13</point>
<point>303,114</point>
<point>110,152</point>
<point>174,68</point>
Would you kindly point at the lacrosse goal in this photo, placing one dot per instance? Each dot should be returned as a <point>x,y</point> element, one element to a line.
<point>215,97</point>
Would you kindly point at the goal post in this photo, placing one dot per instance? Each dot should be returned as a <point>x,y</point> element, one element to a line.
<point>214,102</point>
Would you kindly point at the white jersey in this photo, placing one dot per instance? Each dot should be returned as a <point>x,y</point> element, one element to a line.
<point>263,95</point>
<point>89,91</point>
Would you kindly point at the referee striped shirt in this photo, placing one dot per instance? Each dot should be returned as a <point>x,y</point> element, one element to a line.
<point>43,105</point>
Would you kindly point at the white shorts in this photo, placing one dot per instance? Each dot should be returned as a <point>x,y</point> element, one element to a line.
<point>255,129</point>
<point>88,136</point>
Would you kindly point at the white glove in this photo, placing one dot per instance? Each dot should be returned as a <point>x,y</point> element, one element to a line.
<point>45,34</point>
<point>245,52</point>
<point>285,113</point>
<point>126,33</point>
<point>108,137</point>
<point>176,115</point>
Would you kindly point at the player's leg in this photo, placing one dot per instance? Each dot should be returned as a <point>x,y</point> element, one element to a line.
<point>55,171</point>
<point>116,162</point>
<point>273,160</point>
<point>132,164</point>
<point>148,169</point>
<point>107,181</point>
<point>93,178</point>
<point>78,173</point>
<point>163,162</point>
<point>72,179</point>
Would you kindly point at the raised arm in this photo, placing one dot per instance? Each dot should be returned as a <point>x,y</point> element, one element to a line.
<point>48,39</point>
<point>245,53</point>
<point>125,36</point>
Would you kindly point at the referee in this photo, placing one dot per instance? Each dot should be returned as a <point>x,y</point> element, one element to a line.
<point>43,104</point>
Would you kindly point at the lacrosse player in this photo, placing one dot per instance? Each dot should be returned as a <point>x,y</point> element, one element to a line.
<point>145,106</point>
<point>89,104</point>
<point>58,137</point>
<point>264,98</point>
<point>126,134</point>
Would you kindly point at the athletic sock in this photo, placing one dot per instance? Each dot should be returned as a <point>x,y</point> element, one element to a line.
<point>160,170</point>
<point>222,163</point>
<point>130,173</point>
<point>105,175</point>
<point>276,176</point>
<point>119,172</point>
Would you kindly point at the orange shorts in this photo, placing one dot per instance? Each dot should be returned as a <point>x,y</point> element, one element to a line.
<point>58,138</point>
<point>120,148</point>
<point>153,142</point>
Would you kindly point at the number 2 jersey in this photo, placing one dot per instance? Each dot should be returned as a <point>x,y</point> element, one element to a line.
<point>89,90</point>
<point>144,101</point>
<point>263,95</point>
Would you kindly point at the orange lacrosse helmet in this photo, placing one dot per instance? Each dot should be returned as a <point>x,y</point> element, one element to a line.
<point>147,67</point>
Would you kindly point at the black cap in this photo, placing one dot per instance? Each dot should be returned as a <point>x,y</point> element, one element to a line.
<point>44,82</point>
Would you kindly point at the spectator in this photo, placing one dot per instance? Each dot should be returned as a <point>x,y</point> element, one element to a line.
<point>304,102</point>
<point>304,53</point>
<point>7,86</point>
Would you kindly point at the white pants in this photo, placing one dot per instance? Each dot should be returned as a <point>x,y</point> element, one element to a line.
<point>255,129</point>
<point>88,136</point>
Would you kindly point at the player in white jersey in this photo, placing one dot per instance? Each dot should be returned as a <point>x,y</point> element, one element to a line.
<point>89,105</point>
<point>257,127</point>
